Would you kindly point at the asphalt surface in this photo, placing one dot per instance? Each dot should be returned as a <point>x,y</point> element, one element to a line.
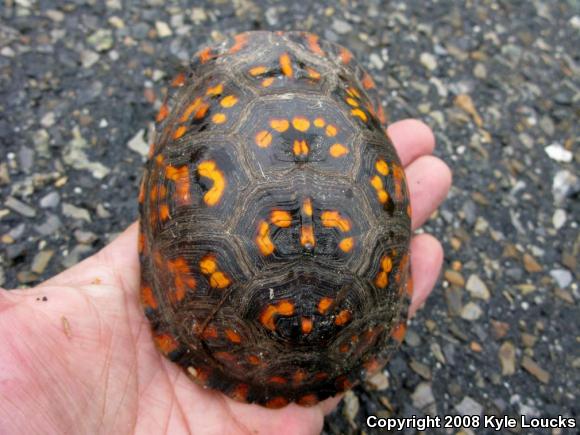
<point>499,83</point>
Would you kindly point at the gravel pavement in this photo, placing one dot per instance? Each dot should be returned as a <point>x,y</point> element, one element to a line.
<point>499,83</point>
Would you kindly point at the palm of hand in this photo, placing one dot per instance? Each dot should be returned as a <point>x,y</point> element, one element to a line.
<point>83,360</point>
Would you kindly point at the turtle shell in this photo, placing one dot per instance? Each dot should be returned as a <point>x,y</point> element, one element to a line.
<point>275,222</point>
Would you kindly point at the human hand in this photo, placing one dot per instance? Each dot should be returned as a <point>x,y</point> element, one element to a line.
<point>83,360</point>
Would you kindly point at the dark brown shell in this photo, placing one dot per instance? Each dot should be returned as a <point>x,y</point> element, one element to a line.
<point>275,222</point>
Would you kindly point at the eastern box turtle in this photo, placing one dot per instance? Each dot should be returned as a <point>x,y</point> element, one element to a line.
<point>275,222</point>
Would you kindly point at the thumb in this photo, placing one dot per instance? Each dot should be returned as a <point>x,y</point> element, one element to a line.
<point>115,264</point>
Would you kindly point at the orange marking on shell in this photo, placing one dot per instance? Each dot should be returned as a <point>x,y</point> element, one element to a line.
<point>163,112</point>
<point>382,278</point>
<point>281,218</point>
<point>183,280</point>
<point>320,376</point>
<point>307,236</point>
<point>353,92</point>
<point>399,332</point>
<point>313,74</point>
<point>300,148</point>
<point>308,400</point>
<point>346,244</point>
<point>219,280</point>
<point>258,70</point>
<point>158,259</point>
<point>148,298</point>
<point>382,167</point>
<point>209,332</point>
<point>180,176</point>
<point>299,376</point>
<point>398,176</point>
<point>285,308</point>
<point>229,101</point>
<point>381,114</point>
<point>165,343</point>
<point>372,365</point>
<point>142,191</point>
<point>342,383</point>
<point>159,159</point>
<point>324,304</point>
<point>180,291</point>
<point>141,243</point>
<point>267,82</point>
<point>178,80</point>
<point>180,131</point>
<point>319,122</point>
<point>331,130</point>
<point>263,138</point>
<point>206,54</point>
<point>152,218</point>
<point>209,169</point>
<point>360,114</point>
<point>219,118</point>
<point>352,102</point>
<point>342,318</point>
<point>163,212</point>
<point>208,264</point>
<point>307,206</point>
<point>300,123</point>
<point>240,393</point>
<point>280,125</point>
<point>286,65</point>
<point>409,286</point>
<point>240,42</point>
<point>215,90</point>
<point>367,81</point>
<point>277,402</point>
<point>409,211</point>
<point>179,265</point>
<point>282,308</point>
<point>314,45</point>
<point>233,336</point>
<point>162,191</point>
<point>263,239</point>
<point>278,380</point>
<point>382,194</point>
<point>306,325</point>
<point>254,360</point>
<point>192,107</point>
<point>345,55</point>
<point>338,150</point>
<point>202,111</point>
<point>333,219</point>
<point>386,264</point>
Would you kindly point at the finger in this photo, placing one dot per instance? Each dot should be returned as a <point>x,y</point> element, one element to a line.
<point>118,262</point>
<point>426,261</point>
<point>412,138</point>
<point>429,180</point>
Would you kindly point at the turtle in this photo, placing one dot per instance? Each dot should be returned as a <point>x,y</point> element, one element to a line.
<point>274,222</point>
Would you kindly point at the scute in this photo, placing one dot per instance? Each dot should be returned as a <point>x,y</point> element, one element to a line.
<point>294,130</point>
<point>274,222</point>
